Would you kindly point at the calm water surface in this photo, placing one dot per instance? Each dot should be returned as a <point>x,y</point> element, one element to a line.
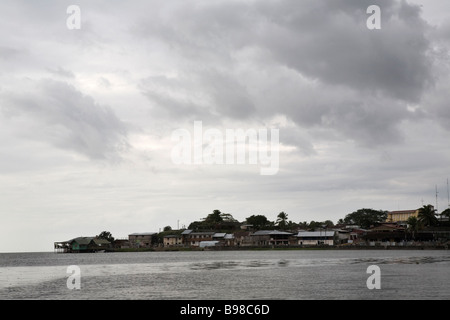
<point>219,275</point>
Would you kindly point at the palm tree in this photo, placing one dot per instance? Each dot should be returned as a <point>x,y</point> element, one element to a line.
<point>427,216</point>
<point>413,225</point>
<point>282,219</point>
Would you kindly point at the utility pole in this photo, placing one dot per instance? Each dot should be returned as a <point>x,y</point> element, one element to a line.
<point>437,209</point>
<point>448,196</point>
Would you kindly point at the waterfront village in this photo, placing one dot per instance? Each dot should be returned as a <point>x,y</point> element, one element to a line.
<point>364,228</point>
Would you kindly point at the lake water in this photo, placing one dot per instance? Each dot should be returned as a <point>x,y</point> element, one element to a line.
<point>219,275</point>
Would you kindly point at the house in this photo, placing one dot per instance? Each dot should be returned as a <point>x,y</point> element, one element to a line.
<point>218,236</point>
<point>315,238</point>
<point>172,240</point>
<point>142,240</point>
<point>356,235</point>
<point>121,244</point>
<point>184,236</point>
<point>343,236</point>
<point>191,238</point>
<point>349,235</point>
<point>224,239</point>
<point>229,240</point>
<point>386,233</point>
<point>270,238</point>
<point>401,215</point>
<point>83,244</point>
<point>242,238</point>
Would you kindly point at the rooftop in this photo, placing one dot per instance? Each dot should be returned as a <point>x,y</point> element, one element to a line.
<point>202,233</point>
<point>402,211</point>
<point>87,240</point>
<point>219,235</point>
<point>143,234</point>
<point>271,233</point>
<point>82,240</point>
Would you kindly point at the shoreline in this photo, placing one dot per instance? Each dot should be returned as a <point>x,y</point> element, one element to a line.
<point>272,248</point>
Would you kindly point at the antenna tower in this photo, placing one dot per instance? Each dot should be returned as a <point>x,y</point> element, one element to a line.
<point>448,195</point>
<point>437,211</point>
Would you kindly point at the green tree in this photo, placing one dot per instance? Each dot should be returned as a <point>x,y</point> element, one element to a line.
<point>167,228</point>
<point>227,217</point>
<point>291,225</point>
<point>228,223</point>
<point>328,224</point>
<point>303,225</point>
<point>197,226</point>
<point>216,221</point>
<point>313,225</point>
<point>446,213</point>
<point>282,219</point>
<point>258,221</point>
<point>366,217</point>
<point>413,225</point>
<point>214,217</point>
<point>427,215</point>
<point>105,235</point>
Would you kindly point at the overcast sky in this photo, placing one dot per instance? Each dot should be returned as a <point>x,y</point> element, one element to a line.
<point>87,115</point>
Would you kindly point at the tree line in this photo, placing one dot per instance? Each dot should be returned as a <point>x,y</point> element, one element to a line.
<point>364,218</point>
<point>226,222</point>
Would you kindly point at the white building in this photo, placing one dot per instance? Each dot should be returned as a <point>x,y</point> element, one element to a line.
<point>316,238</point>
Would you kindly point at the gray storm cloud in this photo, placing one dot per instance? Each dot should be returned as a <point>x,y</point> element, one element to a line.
<point>64,117</point>
<point>359,82</point>
<point>362,114</point>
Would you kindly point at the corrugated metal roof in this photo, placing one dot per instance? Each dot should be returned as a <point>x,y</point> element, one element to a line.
<point>82,240</point>
<point>187,231</point>
<point>219,235</point>
<point>88,240</point>
<point>402,211</point>
<point>142,234</point>
<point>271,233</point>
<point>203,233</point>
<point>101,241</point>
